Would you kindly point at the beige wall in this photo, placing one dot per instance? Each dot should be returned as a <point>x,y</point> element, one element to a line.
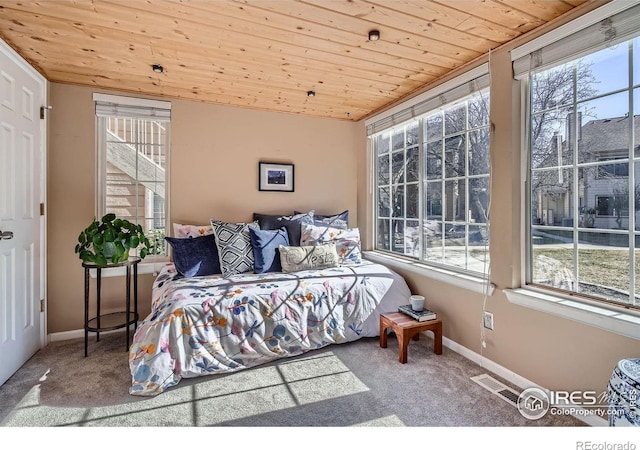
<point>214,163</point>
<point>213,174</point>
<point>551,351</point>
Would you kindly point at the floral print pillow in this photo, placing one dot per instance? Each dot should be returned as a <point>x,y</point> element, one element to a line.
<point>347,241</point>
<point>187,231</point>
<point>340,220</point>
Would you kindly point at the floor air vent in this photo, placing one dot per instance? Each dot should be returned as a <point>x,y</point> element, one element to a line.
<point>500,389</point>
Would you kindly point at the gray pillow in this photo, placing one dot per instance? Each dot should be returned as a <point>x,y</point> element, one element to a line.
<point>294,259</point>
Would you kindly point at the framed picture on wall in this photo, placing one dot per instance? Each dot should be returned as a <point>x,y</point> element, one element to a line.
<point>275,177</point>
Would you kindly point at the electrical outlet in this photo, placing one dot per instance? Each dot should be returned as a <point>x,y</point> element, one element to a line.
<point>488,320</point>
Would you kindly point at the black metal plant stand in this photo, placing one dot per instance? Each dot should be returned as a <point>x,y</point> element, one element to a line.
<point>114,320</point>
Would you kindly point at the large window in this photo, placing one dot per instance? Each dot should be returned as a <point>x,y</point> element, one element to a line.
<point>133,145</point>
<point>432,185</point>
<point>584,178</point>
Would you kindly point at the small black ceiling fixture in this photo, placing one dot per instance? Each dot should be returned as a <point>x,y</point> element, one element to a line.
<point>157,68</point>
<point>311,93</point>
<point>374,35</point>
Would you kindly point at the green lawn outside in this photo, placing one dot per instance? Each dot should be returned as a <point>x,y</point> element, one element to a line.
<point>604,267</point>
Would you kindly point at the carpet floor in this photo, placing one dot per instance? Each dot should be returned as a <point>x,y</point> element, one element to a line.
<point>353,384</point>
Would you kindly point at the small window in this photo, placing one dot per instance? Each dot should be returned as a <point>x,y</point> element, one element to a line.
<point>612,205</point>
<point>133,147</point>
<point>613,170</point>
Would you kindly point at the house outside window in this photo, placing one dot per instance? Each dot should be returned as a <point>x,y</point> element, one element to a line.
<point>584,177</point>
<point>133,147</point>
<point>432,184</point>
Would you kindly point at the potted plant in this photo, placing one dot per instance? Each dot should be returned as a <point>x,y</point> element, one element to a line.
<point>109,241</point>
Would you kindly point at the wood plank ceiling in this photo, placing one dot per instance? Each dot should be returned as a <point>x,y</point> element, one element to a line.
<point>266,54</point>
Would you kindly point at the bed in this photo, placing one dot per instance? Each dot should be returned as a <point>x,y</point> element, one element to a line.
<point>209,325</point>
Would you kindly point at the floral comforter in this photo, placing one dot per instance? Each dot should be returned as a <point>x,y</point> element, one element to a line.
<point>212,325</point>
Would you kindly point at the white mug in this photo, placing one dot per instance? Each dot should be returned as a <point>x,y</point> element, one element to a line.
<point>417,302</point>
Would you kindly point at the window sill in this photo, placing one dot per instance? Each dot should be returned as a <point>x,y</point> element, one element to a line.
<point>617,321</point>
<point>144,268</point>
<point>469,282</point>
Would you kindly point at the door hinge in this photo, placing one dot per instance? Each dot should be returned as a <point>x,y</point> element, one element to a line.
<point>42,209</point>
<point>41,305</point>
<point>43,109</point>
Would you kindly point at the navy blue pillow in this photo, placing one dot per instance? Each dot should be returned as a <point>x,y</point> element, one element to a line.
<point>275,222</point>
<point>195,256</point>
<point>265,245</point>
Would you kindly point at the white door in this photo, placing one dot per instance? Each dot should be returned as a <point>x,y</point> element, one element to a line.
<point>22,93</point>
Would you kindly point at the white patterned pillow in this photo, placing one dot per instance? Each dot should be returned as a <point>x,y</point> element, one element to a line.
<point>340,220</point>
<point>312,257</point>
<point>184,231</point>
<point>234,246</point>
<point>347,241</point>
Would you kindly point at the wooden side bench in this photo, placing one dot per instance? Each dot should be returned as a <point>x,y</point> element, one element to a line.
<point>406,328</point>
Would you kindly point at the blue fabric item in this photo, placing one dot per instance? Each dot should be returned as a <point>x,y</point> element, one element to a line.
<point>195,256</point>
<point>265,245</point>
<point>293,224</point>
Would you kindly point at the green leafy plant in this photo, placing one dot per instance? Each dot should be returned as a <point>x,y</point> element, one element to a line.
<point>156,240</point>
<point>110,240</point>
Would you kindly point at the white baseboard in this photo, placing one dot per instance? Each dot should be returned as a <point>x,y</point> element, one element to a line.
<point>514,378</point>
<point>76,334</point>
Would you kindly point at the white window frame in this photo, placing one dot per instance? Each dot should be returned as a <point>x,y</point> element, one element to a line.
<point>608,317</point>
<point>471,281</point>
<point>152,264</point>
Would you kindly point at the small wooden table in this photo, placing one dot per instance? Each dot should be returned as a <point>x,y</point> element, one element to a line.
<point>406,328</point>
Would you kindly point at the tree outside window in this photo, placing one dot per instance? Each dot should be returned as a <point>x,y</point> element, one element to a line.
<point>432,176</point>
<point>581,159</point>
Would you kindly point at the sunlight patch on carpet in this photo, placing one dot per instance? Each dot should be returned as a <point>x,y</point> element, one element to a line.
<point>29,412</point>
<point>208,401</point>
<point>388,421</point>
